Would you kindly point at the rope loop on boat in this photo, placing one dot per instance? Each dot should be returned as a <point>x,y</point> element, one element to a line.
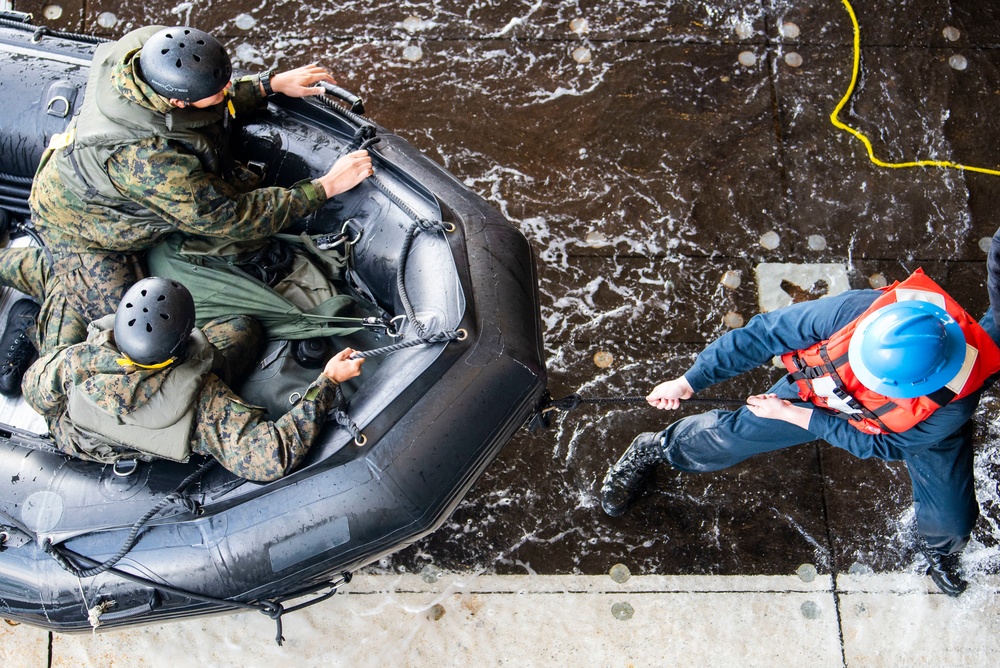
<point>440,337</point>
<point>419,225</point>
<point>177,496</point>
<point>39,32</point>
<point>344,420</point>
<point>274,610</point>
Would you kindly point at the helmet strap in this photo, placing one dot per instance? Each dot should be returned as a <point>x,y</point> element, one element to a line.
<point>125,361</point>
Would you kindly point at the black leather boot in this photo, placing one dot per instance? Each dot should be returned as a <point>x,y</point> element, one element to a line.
<point>16,350</point>
<point>946,572</point>
<point>624,480</point>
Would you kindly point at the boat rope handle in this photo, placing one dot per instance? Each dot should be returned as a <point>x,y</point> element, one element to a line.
<point>419,225</point>
<point>440,337</point>
<point>133,536</point>
<point>41,31</point>
<point>272,608</point>
<point>340,416</point>
<point>944,164</point>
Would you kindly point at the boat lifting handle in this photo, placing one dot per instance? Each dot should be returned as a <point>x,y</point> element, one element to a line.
<point>357,104</point>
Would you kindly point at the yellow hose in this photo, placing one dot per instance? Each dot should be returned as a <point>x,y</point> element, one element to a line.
<point>864,140</point>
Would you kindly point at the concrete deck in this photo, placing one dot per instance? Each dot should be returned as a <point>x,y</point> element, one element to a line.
<point>656,155</point>
<point>446,619</point>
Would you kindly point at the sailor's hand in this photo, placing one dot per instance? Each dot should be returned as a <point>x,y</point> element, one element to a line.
<point>341,368</point>
<point>347,172</point>
<point>301,82</point>
<point>668,395</point>
<point>770,407</point>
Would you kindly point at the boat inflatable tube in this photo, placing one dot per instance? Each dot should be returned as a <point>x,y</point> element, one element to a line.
<point>85,545</point>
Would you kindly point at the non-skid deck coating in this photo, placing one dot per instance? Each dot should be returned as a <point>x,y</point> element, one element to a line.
<point>655,154</point>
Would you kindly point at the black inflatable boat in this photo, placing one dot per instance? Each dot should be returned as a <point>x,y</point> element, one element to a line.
<point>86,545</point>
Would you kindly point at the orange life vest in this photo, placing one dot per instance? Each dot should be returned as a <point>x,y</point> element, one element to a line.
<point>824,376</point>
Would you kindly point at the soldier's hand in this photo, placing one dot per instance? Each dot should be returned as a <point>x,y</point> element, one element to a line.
<point>668,395</point>
<point>340,368</point>
<point>301,82</point>
<point>347,172</point>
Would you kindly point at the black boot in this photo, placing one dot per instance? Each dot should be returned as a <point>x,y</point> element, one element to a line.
<point>946,572</point>
<point>16,350</point>
<point>624,480</point>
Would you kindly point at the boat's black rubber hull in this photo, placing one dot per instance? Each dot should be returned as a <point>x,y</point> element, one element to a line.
<point>347,506</point>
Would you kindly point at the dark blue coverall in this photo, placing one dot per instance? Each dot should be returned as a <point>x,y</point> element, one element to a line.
<point>938,451</point>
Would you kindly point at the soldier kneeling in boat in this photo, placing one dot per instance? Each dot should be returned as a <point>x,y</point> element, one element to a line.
<point>147,384</point>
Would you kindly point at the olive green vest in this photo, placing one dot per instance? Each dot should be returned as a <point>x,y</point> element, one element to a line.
<point>162,427</point>
<point>107,121</point>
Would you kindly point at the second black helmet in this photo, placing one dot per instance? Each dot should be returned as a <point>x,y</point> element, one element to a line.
<point>154,321</point>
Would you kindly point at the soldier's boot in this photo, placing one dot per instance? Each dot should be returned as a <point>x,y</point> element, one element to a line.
<point>625,478</point>
<point>16,350</point>
<point>945,571</point>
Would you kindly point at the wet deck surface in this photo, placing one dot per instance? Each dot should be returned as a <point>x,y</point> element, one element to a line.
<point>646,151</point>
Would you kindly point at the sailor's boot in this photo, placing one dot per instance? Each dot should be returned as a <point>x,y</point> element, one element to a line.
<point>946,571</point>
<point>623,483</point>
<point>16,350</point>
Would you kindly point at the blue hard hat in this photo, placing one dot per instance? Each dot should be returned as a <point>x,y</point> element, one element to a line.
<point>907,349</point>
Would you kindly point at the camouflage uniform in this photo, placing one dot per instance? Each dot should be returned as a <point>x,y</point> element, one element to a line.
<point>237,434</point>
<point>30,271</point>
<point>176,189</point>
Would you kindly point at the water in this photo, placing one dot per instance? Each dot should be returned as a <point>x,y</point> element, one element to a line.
<point>645,154</point>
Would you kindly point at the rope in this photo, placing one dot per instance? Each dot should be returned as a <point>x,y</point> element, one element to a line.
<point>59,555</point>
<point>15,178</point>
<point>342,418</point>
<point>440,337</point>
<point>574,400</point>
<point>364,137</point>
<point>944,164</point>
<point>542,419</point>
<point>40,31</point>
<point>412,231</point>
<point>272,609</point>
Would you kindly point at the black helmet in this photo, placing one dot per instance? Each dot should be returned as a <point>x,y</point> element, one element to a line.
<point>186,64</point>
<point>154,321</point>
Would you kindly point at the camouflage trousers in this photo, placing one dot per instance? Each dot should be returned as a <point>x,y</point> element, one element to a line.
<point>239,340</point>
<point>72,288</point>
<point>95,281</point>
<point>59,323</point>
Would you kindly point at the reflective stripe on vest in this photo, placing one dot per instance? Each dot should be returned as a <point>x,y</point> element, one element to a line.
<point>825,378</point>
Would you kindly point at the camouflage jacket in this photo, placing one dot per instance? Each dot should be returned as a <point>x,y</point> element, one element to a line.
<point>224,426</point>
<point>164,178</point>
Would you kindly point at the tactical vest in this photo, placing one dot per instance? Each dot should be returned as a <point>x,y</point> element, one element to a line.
<point>825,378</point>
<point>160,428</point>
<point>107,121</point>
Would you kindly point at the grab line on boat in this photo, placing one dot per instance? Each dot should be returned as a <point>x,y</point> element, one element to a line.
<point>177,496</point>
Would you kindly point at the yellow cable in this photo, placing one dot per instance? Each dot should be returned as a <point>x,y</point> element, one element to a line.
<point>864,140</point>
